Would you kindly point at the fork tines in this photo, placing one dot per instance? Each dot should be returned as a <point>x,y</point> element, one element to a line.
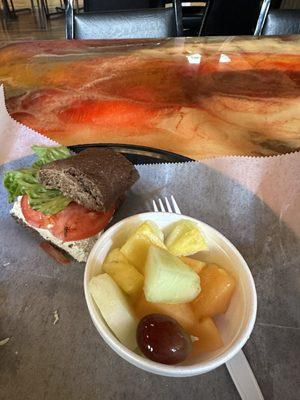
<point>167,207</point>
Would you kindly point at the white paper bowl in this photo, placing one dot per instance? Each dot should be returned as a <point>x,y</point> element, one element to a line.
<point>235,326</point>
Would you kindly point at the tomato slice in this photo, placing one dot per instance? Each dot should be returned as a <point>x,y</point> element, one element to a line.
<point>76,222</point>
<point>34,218</point>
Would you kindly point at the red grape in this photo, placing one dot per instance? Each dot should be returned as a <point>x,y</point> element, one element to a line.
<point>162,339</point>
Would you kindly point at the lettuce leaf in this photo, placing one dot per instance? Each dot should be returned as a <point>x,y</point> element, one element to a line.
<point>48,154</point>
<point>19,182</point>
<point>24,181</point>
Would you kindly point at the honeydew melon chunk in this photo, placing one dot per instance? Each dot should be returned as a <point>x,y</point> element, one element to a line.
<point>114,308</point>
<point>136,247</point>
<point>185,239</point>
<point>168,279</point>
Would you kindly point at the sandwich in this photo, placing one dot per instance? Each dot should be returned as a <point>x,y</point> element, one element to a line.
<point>69,199</point>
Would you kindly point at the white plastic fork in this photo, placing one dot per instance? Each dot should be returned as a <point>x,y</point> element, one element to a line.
<point>238,367</point>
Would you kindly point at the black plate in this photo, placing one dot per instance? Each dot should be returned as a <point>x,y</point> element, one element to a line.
<point>137,154</point>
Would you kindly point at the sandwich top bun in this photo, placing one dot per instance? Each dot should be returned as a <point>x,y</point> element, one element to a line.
<point>95,178</point>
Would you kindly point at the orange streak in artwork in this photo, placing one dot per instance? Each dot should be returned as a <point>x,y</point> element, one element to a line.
<point>108,113</point>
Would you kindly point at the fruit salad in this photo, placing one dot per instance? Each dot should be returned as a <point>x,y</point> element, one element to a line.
<point>158,299</point>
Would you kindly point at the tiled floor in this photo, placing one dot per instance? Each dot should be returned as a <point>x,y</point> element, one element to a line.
<point>28,26</point>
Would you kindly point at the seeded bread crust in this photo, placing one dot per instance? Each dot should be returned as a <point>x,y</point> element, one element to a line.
<point>95,178</point>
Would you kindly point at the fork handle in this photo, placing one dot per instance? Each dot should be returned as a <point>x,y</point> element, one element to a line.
<point>238,367</point>
<point>243,377</point>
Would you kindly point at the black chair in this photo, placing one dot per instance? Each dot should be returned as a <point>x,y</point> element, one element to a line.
<point>116,5</point>
<point>193,16</point>
<point>132,24</point>
<point>277,21</point>
<point>18,10</point>
<point>10,12</point>
<point>231,17</point>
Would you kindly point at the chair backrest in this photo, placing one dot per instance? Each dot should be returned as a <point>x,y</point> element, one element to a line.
<point>115,5</point>
<point>231,17</point>
<point>277,22</point>
<point>147,23</point>
<point>193,16</point>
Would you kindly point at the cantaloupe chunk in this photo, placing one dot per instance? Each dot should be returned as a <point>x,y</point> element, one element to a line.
<point>217,287</point>
<point>136,247</point>
<point>207,335</point>
<point>126,276</point>
<point>196,265</point>
<point>182,313</point>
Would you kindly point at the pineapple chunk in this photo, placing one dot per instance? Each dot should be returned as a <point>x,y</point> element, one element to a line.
<point>185,239</point>
<point>168,279</point>
<point>137,246</point>
<point>151,230</point>
<point>196,265</point>
<point>126,276</point>
<point>136,250</point>
<point>182,313</point>
<point>115,256</point>
<point>114,308</point>
<point>208,337</point>
<point>217,288</point>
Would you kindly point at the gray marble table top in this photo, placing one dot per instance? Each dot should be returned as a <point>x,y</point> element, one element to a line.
<point>68,360</point>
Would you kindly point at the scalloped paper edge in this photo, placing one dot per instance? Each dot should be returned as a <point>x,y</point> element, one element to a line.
<point>29,135</point>
<point>49,141</point>
<point>228,157</point>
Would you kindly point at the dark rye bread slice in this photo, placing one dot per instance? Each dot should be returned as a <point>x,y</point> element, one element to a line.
<point>95,178</point>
